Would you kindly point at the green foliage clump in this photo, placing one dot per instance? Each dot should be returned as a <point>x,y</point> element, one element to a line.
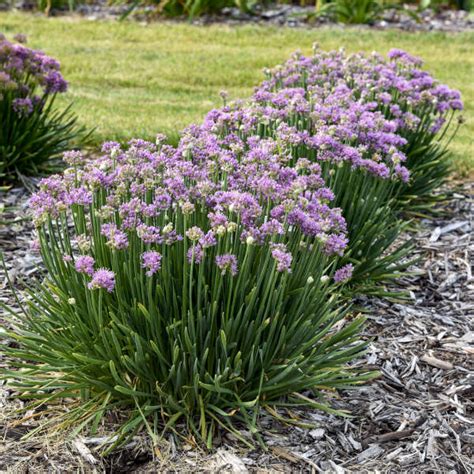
<point>189,291</point>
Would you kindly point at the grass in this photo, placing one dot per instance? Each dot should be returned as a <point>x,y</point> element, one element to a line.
<point>134,80</point>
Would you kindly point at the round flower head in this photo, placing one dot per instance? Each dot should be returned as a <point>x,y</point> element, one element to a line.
<point>103,278</point>
<point>282,257</point>
<point>151,260</point>
<point>227,263</point>
<point>73,158</point>
<point>85,264</point>
<point>22,106</point>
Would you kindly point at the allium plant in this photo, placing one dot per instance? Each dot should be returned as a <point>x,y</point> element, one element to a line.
<point>190,289</point>
<point>33,130</point>
<point>423,109</point>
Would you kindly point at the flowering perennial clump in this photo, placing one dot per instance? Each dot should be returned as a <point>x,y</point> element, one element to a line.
<point>33,132</point>
<point>194,288</point>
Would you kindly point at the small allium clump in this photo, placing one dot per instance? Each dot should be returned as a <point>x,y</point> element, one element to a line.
<point>258,198</point>
<point>32,131</point>
<point>27,77</point>
<point>371,124</point>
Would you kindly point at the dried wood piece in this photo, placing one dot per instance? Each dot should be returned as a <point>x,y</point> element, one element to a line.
<point>84,451</point>
<point>384,438</point>
<point>370,453</point>
<point>294,457</point>
<point>226,461</point>
<point>438,363</point>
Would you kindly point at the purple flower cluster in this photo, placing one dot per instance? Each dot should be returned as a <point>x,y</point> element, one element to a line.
<point>103,278</point>
<point>252,173</point>
<point>151,260</point>
<point>409,97</point>
<point>27,76</point>
<point>233,194</point>
<point>85,264</point>
<point>227,263</point>
<point>344,273</point>
<point>282,257</point>
<point>328,126</point>
<point>22,106</point>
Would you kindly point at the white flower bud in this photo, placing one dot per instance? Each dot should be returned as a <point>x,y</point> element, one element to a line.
<point>167,228</point>
<point>220,230</point>
<point>231,227</point>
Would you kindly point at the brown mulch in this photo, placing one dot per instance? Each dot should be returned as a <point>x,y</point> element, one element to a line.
<point>416,417</point>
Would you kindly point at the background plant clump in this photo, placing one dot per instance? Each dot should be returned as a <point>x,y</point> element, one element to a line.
<point>33,131</point>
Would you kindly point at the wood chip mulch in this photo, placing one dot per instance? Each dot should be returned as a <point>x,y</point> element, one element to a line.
<point>416,417</point>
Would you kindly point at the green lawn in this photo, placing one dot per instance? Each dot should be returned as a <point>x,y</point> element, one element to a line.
<point>128,79</point>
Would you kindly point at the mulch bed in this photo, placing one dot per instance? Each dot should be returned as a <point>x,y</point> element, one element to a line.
<point>417,416</point>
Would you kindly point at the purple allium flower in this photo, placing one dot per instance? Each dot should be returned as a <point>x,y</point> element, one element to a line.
<point>224,95</point>
<point>149,234</point>
<point>272,227</point>
<point>456,104</point>
<point>102,278</point>
<point>403,172</point>
<point>22,107</point>
<point>116,238</point>
<point>108,147</point>
<point>335,244</point>
<point>227,262</point>
<point>282,257</point>
<point>73,158</point>
<point>54,83</point>
<point>80,196</point>
<point>85,264</point>
<point>195,254</point>
<point>344,273</point>
<point>151,260</point>
<point>208,240</point>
